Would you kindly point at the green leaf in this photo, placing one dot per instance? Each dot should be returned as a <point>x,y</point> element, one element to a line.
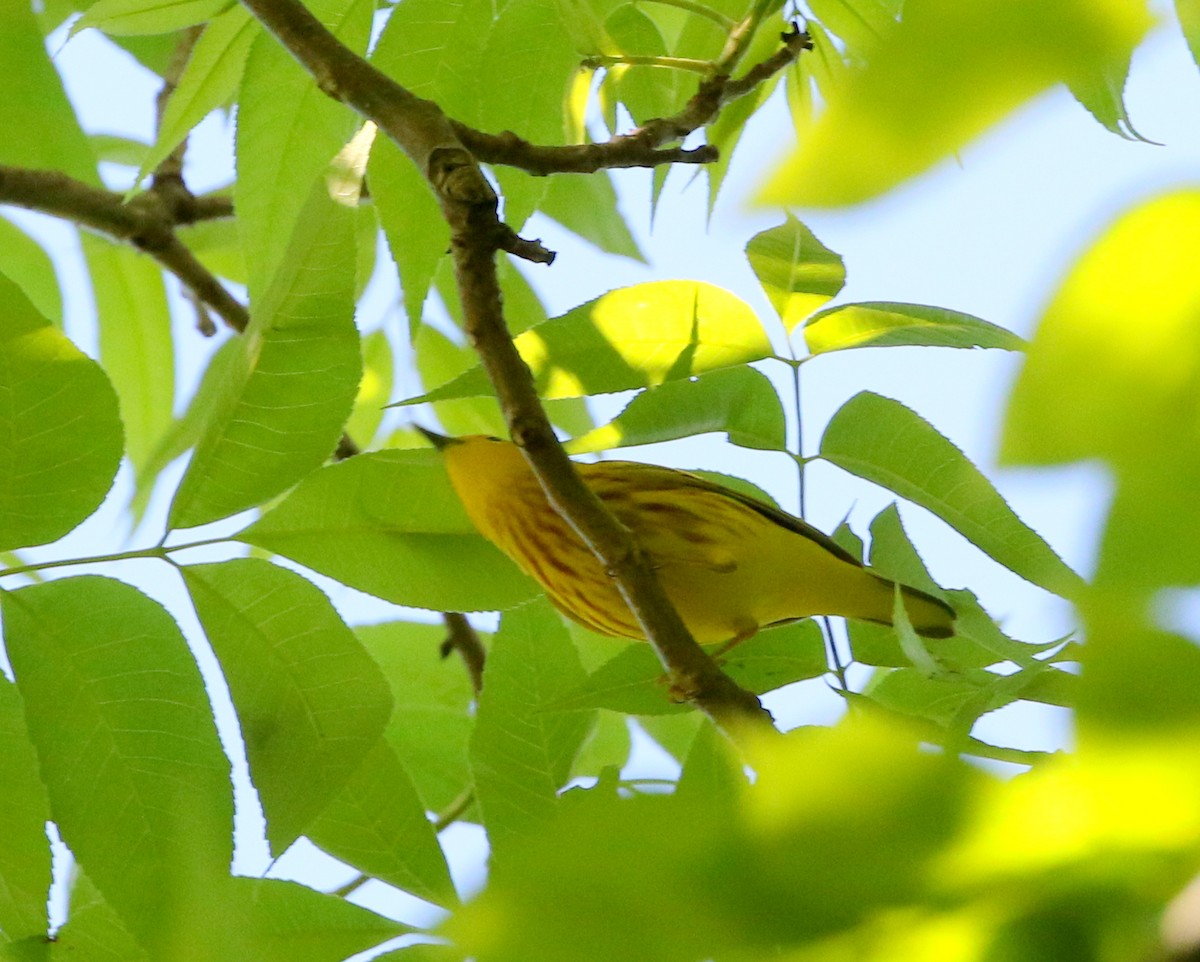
<point>943,76</point>
<point>1113,373</point>
<point>376,823</point>
<point>25,261</point>
<point>126,744</point>
<point>122,17</point>
<point>135,340</point>
<point>58,414</point>
<point>34,99</point>
<point>797,272</point>
<point>215,243</point>
<point>209,80</point>
<point>390,524</point>
<point>587,206</point>
<point>284,403</point>
<point>713,770</point>
<point>632,681</point>
<point>632,337</point>
<point>416,231</point>
<point>288,132</point>
<point>283,921</point>
<point>93,931</point>
<point>373,390</point>
<point>1188,12</point>
<point>25,854</point>
<point>521,755</point>
<point>862,24</point>
<point>438,359</point>
<point>431,718</point>
<point>882,441</point>
<point>739,401</point>
<point>1103,94</point>
<point>311,702</point>
<point>883,324</point>
<point>633,33</point>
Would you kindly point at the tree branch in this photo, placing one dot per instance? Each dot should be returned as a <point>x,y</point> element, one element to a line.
<point>469,204</point>
<point>147,221</point>
<point>461,637</point>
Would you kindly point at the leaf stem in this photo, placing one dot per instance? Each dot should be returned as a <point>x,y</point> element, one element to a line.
<point>157,551</point>
<point>634,60</point>
<point>726,23</point>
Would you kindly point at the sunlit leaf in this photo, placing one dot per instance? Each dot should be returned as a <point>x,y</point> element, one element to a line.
<point>1113,373</point>
<point>390,524</point>
<point>881,324</point>
<point>135,340</point>
<point>120,17</point>
<point>34,100</point>
<point>883,441</point>
<point>209,80</point>
<point>284,401</point>
<point>632,337</point>
<point>312,704</point>
<point>797,272</point>
<point>862,24</point>
<point>738,401</point>
<point>939,79</point>
<point>288,133</point>
<point>26,263</point>
<point>138,783</point>
<point>58,414</point>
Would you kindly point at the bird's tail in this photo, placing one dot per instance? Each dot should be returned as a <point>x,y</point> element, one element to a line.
<point>931,617</point>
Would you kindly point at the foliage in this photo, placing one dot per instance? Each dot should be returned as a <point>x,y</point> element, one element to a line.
<point>882,836</point>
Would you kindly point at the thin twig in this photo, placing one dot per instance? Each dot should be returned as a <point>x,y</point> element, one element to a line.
<point>461,637</point>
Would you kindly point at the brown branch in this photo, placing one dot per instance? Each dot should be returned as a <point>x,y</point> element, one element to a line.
<point>461,637</point>
<point>147,221</point>
<point>642,147</point>
<point>469,204</point>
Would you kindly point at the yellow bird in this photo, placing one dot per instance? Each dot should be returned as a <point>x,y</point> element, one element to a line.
<point>730,563</point>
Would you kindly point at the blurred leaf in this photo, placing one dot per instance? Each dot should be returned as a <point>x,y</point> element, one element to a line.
<point>126,744</point>
<point>862,24</point>
<point>373,390</point>
<point>942,77</point>
<point>633,681</point>
<point>587,206</point>
<point>25,854</point>
<point>209,80</point>
<point>713,770</point>
<point>114,149</point>
<point>121,17</point>
<point>520,755</point>
<point>34,100</point>
<point>882,441</point>
<point>135,340</point>
<point>1113,373</point>
<point>738,401</point>
<point>431,717</point>
<point>606,748</point>
<point>797,272</point>
<point>376,823</point>
<point>26,263</point>
<point>311,703</point>
<point>416,231</point>
<point>1188,12</point>
<point>284,401</point>
<point>390,524</point>
<point>215,243</point>
<point>632,337</point>
<point>58,415</point>
<point>880,324</point>
<point>288,132</point>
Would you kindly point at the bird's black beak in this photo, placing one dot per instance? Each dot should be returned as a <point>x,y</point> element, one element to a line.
<point>439,441</point>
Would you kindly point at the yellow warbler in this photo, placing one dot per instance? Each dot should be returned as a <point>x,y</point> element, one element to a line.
<point>730,563</point>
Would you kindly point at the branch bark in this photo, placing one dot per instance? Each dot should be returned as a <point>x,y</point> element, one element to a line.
<point>431,140</point>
